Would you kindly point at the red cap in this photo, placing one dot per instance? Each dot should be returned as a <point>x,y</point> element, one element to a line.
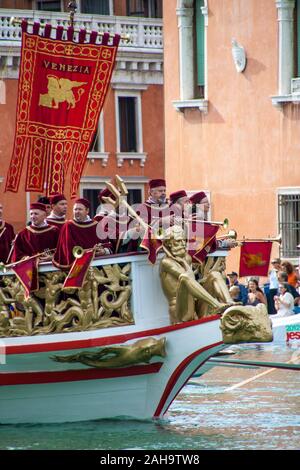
<point>197,197</point>
<point>157,183</point>
<point>38,205</point>
<point>83,201</point>
<point>177,195</point>
<point>105,193</point>
<point>57,198</point>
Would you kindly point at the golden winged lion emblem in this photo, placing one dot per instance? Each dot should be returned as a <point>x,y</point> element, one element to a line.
<point>252,260</point>
<point>59,91</point>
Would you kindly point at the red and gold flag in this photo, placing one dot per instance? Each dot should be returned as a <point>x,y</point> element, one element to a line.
<point>152,244</point>
<point>78,270</point>
<point>255,258</point>
<point>27,273</point>
<point>201,239</point>
<point>62,87</point>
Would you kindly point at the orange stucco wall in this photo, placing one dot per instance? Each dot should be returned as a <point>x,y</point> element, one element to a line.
<point>244,149</point>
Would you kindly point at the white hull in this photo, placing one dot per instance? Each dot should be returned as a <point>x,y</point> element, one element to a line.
<point>52,392</point>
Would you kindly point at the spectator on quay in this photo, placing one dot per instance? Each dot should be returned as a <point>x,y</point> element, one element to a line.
<point>234,292</point>
<point>255,294</point>
<point>290,270</point>
<point>233,281</point>
<point>283,278</point>
<point>284,303</point>
<point>273,285</point>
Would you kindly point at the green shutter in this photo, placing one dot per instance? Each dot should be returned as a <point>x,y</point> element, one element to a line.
<point>298,37</point>
<point>200,43</point>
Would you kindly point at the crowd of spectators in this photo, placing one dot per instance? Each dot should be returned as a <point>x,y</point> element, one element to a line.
<point>281,294</point>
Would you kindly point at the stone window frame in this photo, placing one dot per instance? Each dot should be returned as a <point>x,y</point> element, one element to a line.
<point>140,155</point>
<point>185,15</point>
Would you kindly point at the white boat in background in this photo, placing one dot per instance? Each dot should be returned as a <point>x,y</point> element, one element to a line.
<point>286,329</point>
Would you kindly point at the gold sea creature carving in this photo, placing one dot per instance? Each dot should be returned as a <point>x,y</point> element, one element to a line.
<point>102,302</point>
<point>246,324</point>
<point>59,91</point>
<point>142,351</point>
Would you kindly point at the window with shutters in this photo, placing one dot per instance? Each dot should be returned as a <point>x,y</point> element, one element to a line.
<point>297,37</point>
<point>129,128</point>
<point>96,7</point>
<point>200,49</point>
<point>192,17</point>
<point>97,147</point>
<point>49,5</point>
<point>144,8</point>
<point>289,222</point>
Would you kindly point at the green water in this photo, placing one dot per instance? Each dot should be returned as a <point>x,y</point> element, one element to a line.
<point>262,414</point>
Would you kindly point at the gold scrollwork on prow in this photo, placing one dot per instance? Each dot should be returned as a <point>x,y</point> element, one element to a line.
<point>246,324</point>
<point>102,302</point>
<point>140,352</point>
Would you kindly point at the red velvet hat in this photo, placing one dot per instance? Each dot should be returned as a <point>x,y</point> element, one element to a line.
<point>197,197</point>
<point>57,198</point>
<point>177,195</point>
<point>38,205</point>
<point>157,183</point>
<point>83,201</point>
<point>105,193</point>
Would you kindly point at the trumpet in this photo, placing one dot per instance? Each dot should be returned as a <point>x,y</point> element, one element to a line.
<point>231,234</point>
<point>277,239</point>
<point>223,224</point>
<point>77,251</point>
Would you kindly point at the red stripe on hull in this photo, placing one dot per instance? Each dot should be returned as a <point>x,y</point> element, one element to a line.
<point>27,378</point>
<point>91,343</point>
<point>176,374</point>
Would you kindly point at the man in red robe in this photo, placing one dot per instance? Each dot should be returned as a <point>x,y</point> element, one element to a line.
<point>39,237</point>
<point>81,231</point>
<point>58,213</point>
<point>6,237</point>
<point>155,211</point>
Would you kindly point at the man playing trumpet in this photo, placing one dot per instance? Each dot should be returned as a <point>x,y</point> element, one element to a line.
<point>80,231</point>
<point>39,237</point>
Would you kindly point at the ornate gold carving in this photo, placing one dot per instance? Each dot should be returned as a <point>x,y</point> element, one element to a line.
<point>59,91</point>
<point>142,351</point>
<point>210,274</point>
<point>102,302</point>
<point>184,293</point>
<point>246,324</point>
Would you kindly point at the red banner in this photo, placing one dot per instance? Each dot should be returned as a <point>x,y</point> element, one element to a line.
<point>78,271</point>
<point>62,87</point>
<point>255,258</point>
<point>27,273</point>
<point>152,244</point>
<point>201,239</point>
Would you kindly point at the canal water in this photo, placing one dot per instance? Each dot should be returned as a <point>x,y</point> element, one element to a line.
<point>229,407</point>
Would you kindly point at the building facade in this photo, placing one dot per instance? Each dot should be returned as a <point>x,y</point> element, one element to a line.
<point>130,137</point>
<point>232,112</point>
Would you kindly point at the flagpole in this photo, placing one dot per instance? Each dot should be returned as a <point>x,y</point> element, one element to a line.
<point>30,257</point>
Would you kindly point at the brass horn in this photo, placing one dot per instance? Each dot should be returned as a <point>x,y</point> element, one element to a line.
<point>77,251</point>
<point>231,234</point>
<point>277,239</point>
<point>223,224</point>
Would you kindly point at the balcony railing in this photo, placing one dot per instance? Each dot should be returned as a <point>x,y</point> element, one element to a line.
<point>146,34</point>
